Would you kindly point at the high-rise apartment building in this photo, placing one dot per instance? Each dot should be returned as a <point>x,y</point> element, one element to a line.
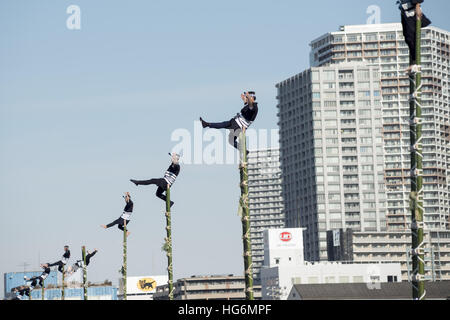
<point>332,152</point>
<point>383,45</point>
<point>265,200</point>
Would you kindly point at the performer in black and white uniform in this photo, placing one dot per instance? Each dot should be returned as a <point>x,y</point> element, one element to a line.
<point>79,264</point>
<point>20,292</point>
<point>126,215</point>
<point>169,178</point>
<point>410,9</point>
<point>40,278</point>
<point>240,122</point>
<point>61,263</point>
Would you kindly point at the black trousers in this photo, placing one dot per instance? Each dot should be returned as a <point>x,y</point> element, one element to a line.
<point>161,183</point>
<point>89,256</point>
<point>409,32</point>
<point>25,291</point>
<point>230,125</point>
<point>120,224</point>
<point>34,281</point>
<point>60,265</point>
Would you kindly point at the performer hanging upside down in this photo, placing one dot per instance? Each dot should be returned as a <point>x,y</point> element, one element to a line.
<point>20,292</point>
<point>240,122</point>
<point>61,263</point>
<point>79,264</point>
<point>168,180</point>
<point>40,278</point>
<point>125,217</point>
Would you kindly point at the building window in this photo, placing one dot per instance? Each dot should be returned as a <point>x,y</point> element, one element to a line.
<point>315,75</point>
<point>313,280</point>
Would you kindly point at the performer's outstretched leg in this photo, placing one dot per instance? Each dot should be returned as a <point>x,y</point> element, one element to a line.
<point>33,281</point>
<point>161,183</point>
<point>230,124</point>
<point>60,265</point>
<point>89,256</point>
<point>120,224</point>
<point>146,182</point>
<point>109,225</point>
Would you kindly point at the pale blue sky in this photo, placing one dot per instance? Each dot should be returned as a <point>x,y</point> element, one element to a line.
<point>84,111</point>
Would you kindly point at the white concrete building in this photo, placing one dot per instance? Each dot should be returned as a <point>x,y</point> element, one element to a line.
<point>284,267</point>
<point>265,201</point>
<point>332,152</point>
<point>383,45</point>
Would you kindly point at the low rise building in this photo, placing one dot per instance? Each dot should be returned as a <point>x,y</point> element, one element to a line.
<point>358,291</point>
<point>53,290</point>
<point>214,287</point>
<point>284,267</point>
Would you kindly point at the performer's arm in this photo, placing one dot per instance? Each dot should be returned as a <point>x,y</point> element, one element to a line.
<point>250,100</point>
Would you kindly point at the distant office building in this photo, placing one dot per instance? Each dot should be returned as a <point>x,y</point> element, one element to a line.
<point>383,45</point>
<point>359,291</point>
<point>215,287</point>
<point>15,279</point>
<point>53,290</point>
<point>141,288</point>
<point>97,292</point>
<point>266,203</point>
<point>332,152</point>
<point>284,267</point>
<point>348,245</point>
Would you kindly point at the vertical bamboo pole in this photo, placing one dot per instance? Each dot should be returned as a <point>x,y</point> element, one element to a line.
<point>245,218</point>
<point>124,266</point>
<point>83,253</point>
<point>43,290</point>
<point>168,244</point>
<point>63,284</point>
<point>416,198</point>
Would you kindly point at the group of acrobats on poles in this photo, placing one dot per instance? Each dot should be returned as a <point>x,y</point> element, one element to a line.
<point>238,123</point>
<point>410,10</point>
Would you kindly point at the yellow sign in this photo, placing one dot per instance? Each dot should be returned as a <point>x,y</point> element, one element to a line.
<point>146,284</point>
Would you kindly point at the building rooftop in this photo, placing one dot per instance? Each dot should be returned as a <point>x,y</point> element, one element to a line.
<point>361,291</point>
<point>363,28</point>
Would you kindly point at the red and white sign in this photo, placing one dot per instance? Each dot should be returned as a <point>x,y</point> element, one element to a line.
<point>285,236</point>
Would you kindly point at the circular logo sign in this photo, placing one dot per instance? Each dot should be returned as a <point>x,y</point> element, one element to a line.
<point>146,284</point>
<point>285,236</point>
